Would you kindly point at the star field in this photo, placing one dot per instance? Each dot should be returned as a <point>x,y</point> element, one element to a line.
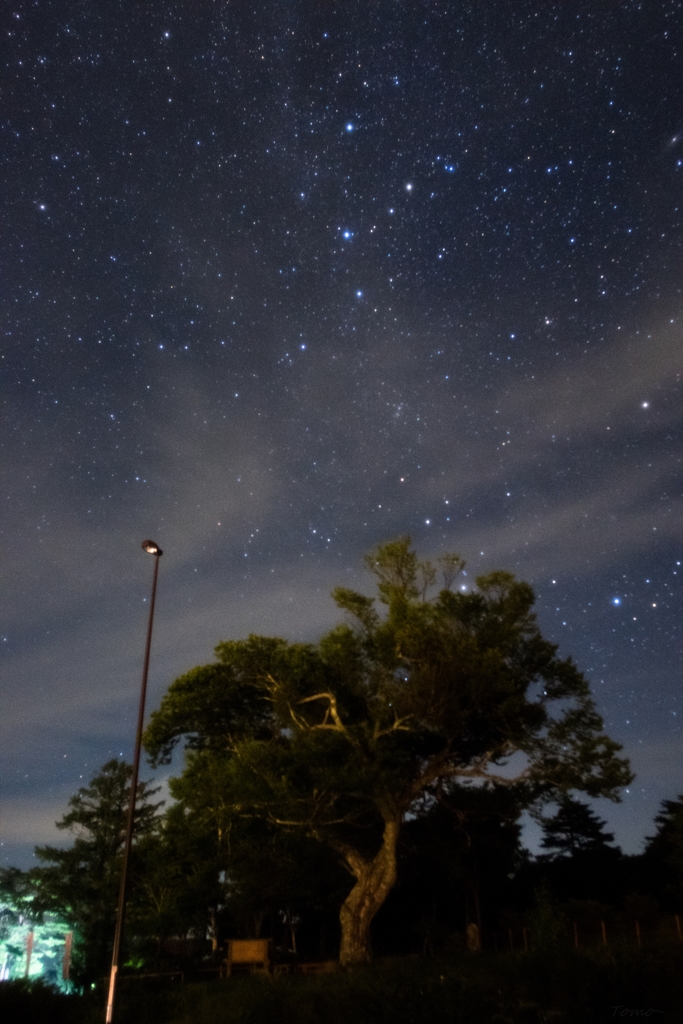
<point>282,283</point>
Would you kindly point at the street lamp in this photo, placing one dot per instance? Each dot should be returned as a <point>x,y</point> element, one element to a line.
<point>153,549</point>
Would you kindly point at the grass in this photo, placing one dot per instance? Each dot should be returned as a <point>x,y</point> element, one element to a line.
<point>564,987</point>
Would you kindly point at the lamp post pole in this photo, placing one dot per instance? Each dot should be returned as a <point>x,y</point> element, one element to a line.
<point>152,549</point>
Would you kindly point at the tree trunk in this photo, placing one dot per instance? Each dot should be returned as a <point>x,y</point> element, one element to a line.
<point>374,881</point>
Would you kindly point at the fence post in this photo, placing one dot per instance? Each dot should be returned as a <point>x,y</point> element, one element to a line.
<point>604,933</point>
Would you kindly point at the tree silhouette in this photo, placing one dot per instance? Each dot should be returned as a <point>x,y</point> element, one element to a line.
<point>663,857</point>
<point>81,883</point>
<point>344,738</point>
<point>575,828</point>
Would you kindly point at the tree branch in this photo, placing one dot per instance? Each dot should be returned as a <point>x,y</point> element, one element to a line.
<point>331,711</point>
<point>397,726</point>
<point>503,780</point>
<point>355,862</point>
<point>438,768</point>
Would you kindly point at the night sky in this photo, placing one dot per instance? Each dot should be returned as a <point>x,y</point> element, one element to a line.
<point>283,281</point>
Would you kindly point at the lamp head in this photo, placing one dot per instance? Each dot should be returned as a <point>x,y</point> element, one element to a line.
<point>151,548</point>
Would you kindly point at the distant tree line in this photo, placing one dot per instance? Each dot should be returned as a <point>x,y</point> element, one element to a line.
<point>362,794</point>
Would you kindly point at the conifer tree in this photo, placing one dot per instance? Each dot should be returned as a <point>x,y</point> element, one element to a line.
<point>80,883</point>
<point>575,828</point>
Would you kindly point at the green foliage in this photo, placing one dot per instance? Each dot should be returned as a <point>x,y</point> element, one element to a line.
<point>174,886</point>
<point>448,688</point>
<point>16,897</point>
<point>207,707</point>
<point>268,870</point>
<point>20,922</point>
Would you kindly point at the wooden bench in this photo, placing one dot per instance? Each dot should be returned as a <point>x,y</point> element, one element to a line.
<point>251,953</point>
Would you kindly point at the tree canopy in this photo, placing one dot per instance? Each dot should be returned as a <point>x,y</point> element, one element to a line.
<point>387,712</point>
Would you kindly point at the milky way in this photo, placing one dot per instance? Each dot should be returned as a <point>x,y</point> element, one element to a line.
<point>282,283</point>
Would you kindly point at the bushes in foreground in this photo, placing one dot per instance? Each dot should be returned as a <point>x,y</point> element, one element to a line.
<point>33,1002</point>
<point>563,988</point>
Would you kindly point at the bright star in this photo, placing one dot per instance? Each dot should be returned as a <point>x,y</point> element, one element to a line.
<point>349,127</point>
<point>409,187</point>
<point>616,600</point>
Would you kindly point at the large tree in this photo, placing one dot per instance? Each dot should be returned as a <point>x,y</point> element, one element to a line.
<point>346,737</point>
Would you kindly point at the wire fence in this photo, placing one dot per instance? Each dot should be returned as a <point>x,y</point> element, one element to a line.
<point>520,938</point>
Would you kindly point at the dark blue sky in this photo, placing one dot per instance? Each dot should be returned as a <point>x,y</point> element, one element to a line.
<point>281,282</point>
